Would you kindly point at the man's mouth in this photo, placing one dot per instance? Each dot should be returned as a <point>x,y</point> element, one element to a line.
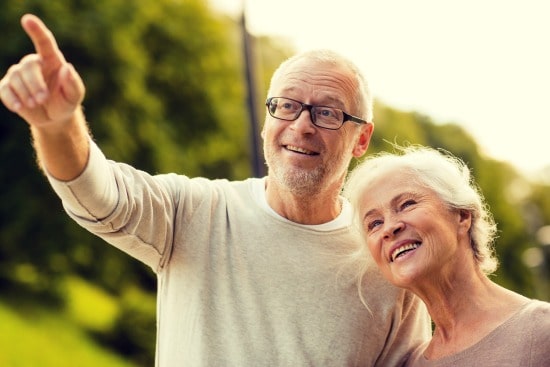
<point>402,250</point>
<point>296,149</point>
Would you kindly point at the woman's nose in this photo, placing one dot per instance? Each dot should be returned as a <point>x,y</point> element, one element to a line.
<point>393,228</point>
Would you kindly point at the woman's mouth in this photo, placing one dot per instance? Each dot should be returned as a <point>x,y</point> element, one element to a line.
<point>402,250</point>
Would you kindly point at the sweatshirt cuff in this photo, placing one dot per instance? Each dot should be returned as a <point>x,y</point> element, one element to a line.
<point>89,196</point>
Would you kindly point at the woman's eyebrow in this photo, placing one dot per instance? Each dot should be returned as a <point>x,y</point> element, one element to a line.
<point>393,202</point>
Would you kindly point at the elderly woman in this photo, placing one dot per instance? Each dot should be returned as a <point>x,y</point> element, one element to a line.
<point>429,230</point>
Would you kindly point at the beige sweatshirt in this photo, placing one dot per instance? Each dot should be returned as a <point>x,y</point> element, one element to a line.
<point>239,285</point>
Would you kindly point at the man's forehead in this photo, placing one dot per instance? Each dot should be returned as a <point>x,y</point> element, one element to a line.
<point>324,81</point>
<point>306,94</point>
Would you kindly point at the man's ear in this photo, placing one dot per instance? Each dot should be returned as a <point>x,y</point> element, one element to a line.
<point>363,140</point>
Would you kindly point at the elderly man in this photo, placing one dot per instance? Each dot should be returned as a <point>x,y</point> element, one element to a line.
<point>253,272</point>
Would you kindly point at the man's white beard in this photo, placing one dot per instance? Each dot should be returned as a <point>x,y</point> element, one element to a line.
<point>298,181</point>
<point>303,182</point>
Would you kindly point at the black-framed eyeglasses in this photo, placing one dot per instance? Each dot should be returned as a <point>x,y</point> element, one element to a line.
<point>288,109</point>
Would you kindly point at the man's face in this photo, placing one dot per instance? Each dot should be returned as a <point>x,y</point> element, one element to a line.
<point>302,157</point>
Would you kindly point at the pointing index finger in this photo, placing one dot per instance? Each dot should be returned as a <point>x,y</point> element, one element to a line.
<point>43,40</point>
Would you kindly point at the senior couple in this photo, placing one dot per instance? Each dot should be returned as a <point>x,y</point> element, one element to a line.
<point>283,270</point>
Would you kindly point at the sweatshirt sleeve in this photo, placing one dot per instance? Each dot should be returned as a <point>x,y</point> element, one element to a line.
<point>92,195</point>
<point>128,208</point>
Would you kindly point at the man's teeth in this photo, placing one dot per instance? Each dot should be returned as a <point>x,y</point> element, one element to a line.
<point>403,249</point>
<point>299,150</point>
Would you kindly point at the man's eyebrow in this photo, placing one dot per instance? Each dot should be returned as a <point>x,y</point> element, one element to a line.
<point>332,101</point>
<point>324,100</point>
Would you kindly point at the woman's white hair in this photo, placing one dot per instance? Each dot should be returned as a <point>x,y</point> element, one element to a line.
<point>448,176</point>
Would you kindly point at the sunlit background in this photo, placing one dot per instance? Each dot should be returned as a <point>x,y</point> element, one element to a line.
<point>482,64</point>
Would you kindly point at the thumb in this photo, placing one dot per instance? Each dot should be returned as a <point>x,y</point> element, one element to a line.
<point>71,85</point>
<point>67,94</point>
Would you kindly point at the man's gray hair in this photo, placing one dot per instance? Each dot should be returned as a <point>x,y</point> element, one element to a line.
<point>362,100</point>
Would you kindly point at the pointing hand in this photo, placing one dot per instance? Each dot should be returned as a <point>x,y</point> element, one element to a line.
<point>43,88</point>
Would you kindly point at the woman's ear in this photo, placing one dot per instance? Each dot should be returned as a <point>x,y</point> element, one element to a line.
<point>465,220</point>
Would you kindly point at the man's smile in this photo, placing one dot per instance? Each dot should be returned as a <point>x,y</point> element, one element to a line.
<point>296,149</point>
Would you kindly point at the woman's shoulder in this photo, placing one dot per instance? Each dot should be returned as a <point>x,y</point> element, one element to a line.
<point>536,318</point>
<point>535,307</point>
<point>536,313</point>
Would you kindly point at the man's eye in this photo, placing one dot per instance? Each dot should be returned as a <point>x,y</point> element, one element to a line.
<point>326,112</point>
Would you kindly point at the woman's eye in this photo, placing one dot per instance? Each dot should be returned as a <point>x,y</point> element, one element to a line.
<point>373,224</point>
<point>407,204</point>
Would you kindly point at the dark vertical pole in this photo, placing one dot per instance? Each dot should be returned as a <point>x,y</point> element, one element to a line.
<point>256,152</point>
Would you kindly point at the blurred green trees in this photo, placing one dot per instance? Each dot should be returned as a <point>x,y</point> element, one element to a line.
<point>166,92</point>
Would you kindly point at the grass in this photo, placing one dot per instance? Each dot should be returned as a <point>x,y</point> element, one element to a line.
<point>34,336</point>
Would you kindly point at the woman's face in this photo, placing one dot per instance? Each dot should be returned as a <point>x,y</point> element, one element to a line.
<point>411,233</point>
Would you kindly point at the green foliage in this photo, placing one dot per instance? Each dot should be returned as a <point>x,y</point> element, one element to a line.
<point>89,306</point>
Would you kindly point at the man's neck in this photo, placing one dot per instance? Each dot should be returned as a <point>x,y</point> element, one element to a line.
<point>310,209</point>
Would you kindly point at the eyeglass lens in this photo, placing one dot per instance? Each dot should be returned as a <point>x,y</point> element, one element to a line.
<point>289,109</point>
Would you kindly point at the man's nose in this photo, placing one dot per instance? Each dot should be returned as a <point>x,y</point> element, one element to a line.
<point>304,123</point>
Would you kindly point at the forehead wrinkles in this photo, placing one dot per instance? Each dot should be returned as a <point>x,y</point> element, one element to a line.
<point>324,84</point>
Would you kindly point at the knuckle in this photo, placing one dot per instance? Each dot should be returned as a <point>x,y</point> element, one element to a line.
<point>9,100</point>
<point>4,88</point>
<point>12,70</point>
<point>30,64</point>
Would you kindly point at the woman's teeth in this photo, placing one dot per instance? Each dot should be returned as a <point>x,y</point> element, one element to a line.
<point>404,249</point>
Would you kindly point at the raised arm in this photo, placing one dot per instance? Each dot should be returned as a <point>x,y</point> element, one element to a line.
<point>47,92</point>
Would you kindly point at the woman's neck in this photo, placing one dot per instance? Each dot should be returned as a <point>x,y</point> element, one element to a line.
<point>466,313</point>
